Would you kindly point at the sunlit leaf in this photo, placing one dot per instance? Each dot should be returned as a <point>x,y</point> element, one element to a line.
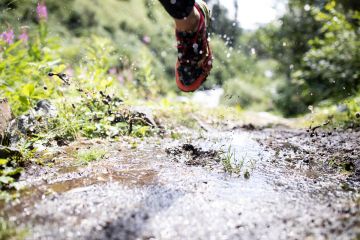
<point>6,180</point>
<point>28,89</point>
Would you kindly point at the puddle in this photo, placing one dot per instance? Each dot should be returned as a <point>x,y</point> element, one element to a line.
<point>128,177</point>
<point>68,169</point>
<point>30,196</point>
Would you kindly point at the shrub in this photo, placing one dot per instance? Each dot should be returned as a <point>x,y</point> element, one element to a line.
<point>330,69</point>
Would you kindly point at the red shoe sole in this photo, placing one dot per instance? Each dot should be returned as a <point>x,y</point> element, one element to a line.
<point>194,86</point>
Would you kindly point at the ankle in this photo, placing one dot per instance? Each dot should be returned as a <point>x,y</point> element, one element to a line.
<point>190,23</point>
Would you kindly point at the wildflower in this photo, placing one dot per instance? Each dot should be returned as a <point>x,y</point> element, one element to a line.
<point>42,11</point>
<point>146,39</point>
<point>69,71</point>
<point>121,79</point>
<point>112,71</point>
<point>8,36</point>
<point>24,36</point>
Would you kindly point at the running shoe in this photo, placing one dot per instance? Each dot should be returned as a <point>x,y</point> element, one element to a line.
<point>194,54</point>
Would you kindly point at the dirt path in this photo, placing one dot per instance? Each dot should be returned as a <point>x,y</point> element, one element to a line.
<point>163,189</point>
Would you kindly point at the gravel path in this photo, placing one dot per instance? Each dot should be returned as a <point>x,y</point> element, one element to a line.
<point>153,193</point>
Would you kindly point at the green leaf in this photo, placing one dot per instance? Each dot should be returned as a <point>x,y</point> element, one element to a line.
<point>24,100</point>
<point>28,89</point>
<point>12,47</point>
<point>330,6</point>
<point>3,161</point>
<point>12,171</point>
<point>6,179</point>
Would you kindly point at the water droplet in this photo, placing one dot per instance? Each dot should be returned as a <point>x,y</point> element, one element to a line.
<point>307,7</point>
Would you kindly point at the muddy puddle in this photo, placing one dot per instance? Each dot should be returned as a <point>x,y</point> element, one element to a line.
<point>179,190</point>
<point>129,177</point>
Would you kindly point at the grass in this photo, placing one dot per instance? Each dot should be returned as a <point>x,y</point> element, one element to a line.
<point>341,115</point>
<point>229,162</point>
<point>8,231</point>
<point>84,157</point>
<point>234,166</point>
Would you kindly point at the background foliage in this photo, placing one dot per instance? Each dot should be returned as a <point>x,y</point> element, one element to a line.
<point>307,57</point>
<point>317,46</point>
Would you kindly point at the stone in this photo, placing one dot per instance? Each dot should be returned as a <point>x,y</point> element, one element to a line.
<point>46,108</point>
<point>145,114</point>
<point>28,123</point>
<point>5,117</point>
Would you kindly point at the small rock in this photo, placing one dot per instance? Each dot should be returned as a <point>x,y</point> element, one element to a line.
<point>44,107</point>
<point>5,117</point>
<point>250,127</point>
<point>342,108</point>
<point>28,123</point>
<point>306,160</point>
<point>145,114</point>
<point>246,174</point>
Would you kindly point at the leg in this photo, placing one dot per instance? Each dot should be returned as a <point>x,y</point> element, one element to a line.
<point>178,9</point>
<point>184,13</point>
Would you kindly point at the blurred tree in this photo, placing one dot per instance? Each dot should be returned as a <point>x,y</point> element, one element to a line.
<point>316,43</point>
<point>350,4</point>
<point>236,7</point>
<point>221,24</point>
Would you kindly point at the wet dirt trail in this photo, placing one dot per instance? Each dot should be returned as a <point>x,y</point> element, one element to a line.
<point>163,189</point>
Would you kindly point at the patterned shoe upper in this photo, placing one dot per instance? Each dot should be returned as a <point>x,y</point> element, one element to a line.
<point>194,55</point>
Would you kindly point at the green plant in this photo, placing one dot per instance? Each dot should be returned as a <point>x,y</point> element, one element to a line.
<point>353,112</point>
<point>23,70</point>
<point>141,131</point>
<point>349,117</point>
<point>175,135</point>
<point>10,170</point>
<point>329,68</point>
<point>230,163</point>
<point>8,231</point>
<point>145,81</point>
<point>89,155</point>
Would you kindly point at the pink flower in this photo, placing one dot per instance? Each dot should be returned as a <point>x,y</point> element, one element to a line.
<point>8,36</point>
<point>121,79</point>
<point>42,11</point>
<point>146,39</point>
<point>112,71</point>
<point>24,36</point>
<point>69,71</point>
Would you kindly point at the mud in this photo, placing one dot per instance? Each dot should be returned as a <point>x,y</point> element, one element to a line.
<point>193,156</point>
<point>164,189</point>
<point>326,152</point>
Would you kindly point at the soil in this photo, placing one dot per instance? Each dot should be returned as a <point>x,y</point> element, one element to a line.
<point>299,186</point>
